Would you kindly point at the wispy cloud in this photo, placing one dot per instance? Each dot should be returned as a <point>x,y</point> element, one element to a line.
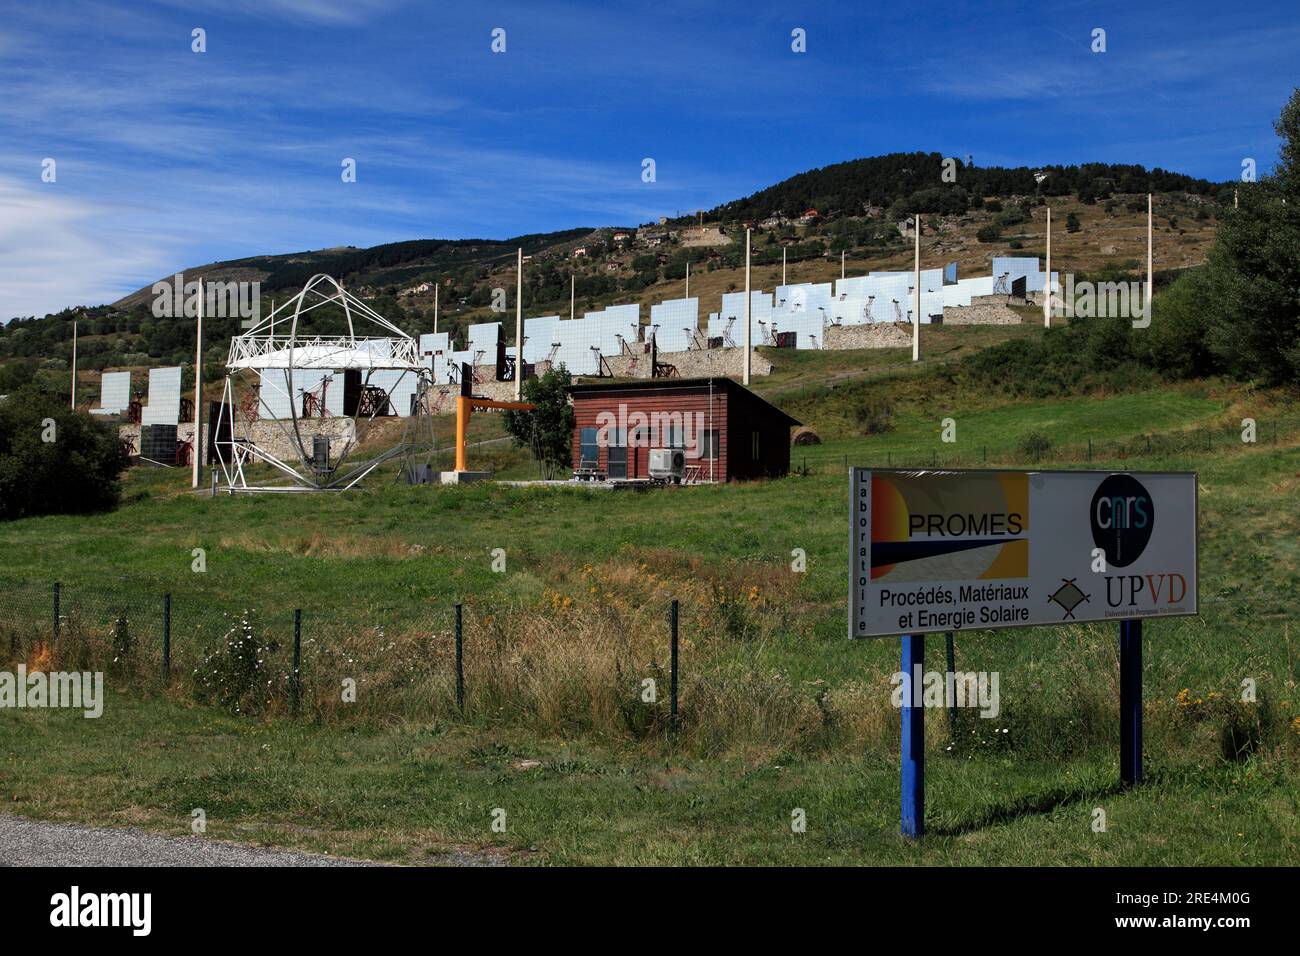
<point>168,158</point>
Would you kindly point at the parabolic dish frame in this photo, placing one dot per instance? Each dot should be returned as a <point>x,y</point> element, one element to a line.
<point>259,349</point>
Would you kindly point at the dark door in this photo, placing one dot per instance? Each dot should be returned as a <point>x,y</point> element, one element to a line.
<point>617,451</point>
<point>351,391</point>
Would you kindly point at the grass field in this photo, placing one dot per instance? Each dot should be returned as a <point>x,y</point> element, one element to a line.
<point>780,711</point>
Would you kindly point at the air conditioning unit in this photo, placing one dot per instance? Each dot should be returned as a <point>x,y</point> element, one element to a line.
<point>667,464</point>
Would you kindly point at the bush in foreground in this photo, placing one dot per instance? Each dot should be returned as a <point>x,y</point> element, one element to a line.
<point>54,460</point>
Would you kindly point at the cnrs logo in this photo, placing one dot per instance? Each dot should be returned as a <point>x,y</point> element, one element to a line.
<point>1122,516</point>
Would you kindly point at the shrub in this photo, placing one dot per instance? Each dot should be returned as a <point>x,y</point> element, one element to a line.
<point>1035,445</point>
<point>548,429</point>
<point>874,416</point>
<point>238,674</point>
<point>988,234</point>
<point>54,460</point>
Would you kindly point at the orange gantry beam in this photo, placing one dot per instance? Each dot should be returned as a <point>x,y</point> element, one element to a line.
<point>465,408</point>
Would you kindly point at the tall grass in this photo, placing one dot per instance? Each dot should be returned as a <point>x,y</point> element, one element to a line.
<point>590,659</point>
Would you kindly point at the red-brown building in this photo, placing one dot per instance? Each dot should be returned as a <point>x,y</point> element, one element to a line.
<point>727,432</point>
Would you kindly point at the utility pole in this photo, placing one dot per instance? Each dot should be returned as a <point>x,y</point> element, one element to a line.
<point>1150,288</point>
<point>73,405</point>
<point>198,393</point>
<point>436,288</point>
<point>783,265</point>
<point>916,312</point>
<point>841,263</point>
<point>688,280</point>
<point>572,279</point>
<point>1047,290</point>
<point>519,327</point>
<point>748,305</point>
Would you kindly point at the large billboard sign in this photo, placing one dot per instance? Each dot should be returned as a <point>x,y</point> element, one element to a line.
<point>953,550</point>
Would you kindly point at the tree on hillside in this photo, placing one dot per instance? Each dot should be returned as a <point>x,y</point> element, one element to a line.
<point>1252,294</point>
<point>548,429</point>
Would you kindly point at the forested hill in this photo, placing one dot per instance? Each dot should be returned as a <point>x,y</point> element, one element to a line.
<point>913,182</point>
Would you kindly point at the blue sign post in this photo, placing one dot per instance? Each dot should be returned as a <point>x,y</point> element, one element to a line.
<point>1130,702</point>
<point>912,741</point>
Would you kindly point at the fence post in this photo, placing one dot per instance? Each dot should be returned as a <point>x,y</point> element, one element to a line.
<point>1090,449</point>
<point>167,639</point>
<point>952,698</point>
<point>295,679</point>
<point>672,670</point>
<point>57,589</point>
<point>460,664</point>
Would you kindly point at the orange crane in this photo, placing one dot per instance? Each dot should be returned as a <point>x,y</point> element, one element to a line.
<point>466,402</point>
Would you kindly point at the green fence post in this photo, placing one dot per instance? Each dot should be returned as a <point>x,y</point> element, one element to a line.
<point>460,663</point>
<point>952,700</point>
<point>295,679</point>
<point>167,639</point>
<point>672,670</point>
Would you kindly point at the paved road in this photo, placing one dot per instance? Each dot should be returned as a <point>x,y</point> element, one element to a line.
<point>32,843</point>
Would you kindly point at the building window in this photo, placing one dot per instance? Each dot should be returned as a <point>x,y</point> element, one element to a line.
<point>616,454</point>
<point>589,456</point>
<point>710,449</point>
<point>753,439</point>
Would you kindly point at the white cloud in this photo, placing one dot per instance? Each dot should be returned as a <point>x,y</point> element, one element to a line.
<point>58,250</point>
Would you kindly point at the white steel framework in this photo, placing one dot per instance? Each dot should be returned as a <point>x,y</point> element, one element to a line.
<point>388,363</point>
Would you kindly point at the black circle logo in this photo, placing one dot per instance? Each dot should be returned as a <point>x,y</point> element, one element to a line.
<point>1122,516</point>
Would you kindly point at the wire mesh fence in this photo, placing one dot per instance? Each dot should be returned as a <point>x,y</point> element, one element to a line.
<point>1039,448</point>
<point>501,665</point>
<point>606,667</point>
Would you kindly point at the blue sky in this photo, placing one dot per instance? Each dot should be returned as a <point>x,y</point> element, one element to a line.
<point>167,158</point>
